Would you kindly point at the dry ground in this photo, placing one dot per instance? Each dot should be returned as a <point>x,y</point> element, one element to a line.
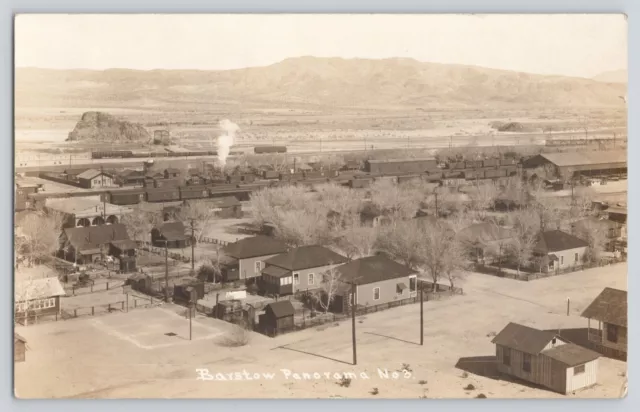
<point>129,356</point>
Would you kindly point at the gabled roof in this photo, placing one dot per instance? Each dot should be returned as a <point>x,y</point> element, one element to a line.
<point>373,269</point>
<point>91,173</point>
<point>523,338</point>
<point>93,237</point>
<point>281,309</point>
<point>172,230</point>
<point>255,246</point>
<point>124,244</point>
<point>38,289</point>
<point>610,306</point>
<point>306,257</point>
<point>556,241</point>
<point>587,158</point>
<point>571,354</point>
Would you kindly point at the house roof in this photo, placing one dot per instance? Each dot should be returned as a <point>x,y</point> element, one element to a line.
<point>222,202</point>
<point>172,170</point>
<point>91,173</point>
<point>485,232</point>
<point>523,338</point>
<point>609,306</point>
<point>275,271</point>
<point>172,230</point>
<point>255,246</point>
<point>306,257</point>
<point>373,269</point>
<point>85,206</point>
<point>38,289</point>
<point>92,237</point>
<point>601,224</point>
<point>281,309</point>
<point>556,241</point>
<point>587,158</point>
<point>571,354</point>
<point>124,244</point>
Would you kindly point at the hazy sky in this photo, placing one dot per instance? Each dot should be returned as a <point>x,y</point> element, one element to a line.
<point>574,45</point>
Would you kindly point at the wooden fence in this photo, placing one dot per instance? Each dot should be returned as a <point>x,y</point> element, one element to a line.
<point>213,241</point>
<point>133,302</point>
<point>83,290</point>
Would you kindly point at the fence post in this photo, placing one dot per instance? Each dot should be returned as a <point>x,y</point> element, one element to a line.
<point>122,305</point>
<point>109,307</point>
<point>135,303</point>
<point>92,310</point>
<point>75,313</point>
<point>107,285</point>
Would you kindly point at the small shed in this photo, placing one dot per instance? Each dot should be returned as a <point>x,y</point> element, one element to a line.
<point>19,348</point>
<point>278,318</point>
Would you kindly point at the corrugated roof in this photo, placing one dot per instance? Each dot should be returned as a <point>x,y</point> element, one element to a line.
<point>586,158</point>
<point>306,257</point>
<point>373,269</point>
<point>38,289</point>
<point>556,241</point>
<point>571,354</point>
<point>281,309</point>
<point>523,338</point>
<point>255,246</point>
<point>610,306</point>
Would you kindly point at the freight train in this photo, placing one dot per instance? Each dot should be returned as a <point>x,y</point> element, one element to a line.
<point>128,154</point>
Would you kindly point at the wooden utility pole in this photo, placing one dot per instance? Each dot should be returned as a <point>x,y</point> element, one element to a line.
<point>353,320</point>
<point>421,314</point>
<point>193,245</point>
<point>436,194</point>
<point>166,272</point>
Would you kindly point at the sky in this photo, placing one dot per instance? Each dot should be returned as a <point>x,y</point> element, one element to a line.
<point>582,45</point>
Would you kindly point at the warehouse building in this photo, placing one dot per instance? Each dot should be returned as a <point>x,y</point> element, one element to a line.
<point>566,165</point>
<point>86,211</point>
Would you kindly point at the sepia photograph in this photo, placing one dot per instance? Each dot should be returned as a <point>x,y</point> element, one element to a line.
<point>320,206</point>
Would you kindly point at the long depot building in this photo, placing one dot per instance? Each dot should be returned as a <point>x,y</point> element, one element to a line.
<point>566,165</point>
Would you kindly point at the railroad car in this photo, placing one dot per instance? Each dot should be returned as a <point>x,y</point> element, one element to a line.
<point>193,192</point>
<point>125,197</point>
<point>399,166</point>
<point>490,162</point>
<point>269,149</point>
<point>163,195</point>
<point>111,154</point>
<point>270,174</point>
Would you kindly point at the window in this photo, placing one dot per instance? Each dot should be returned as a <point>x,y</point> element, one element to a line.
<point>285,281</point>
<point>258,266</point>
<point>311,279</point>
<point>612,333</point>
<point>577,370</point>
<point>506,356</point>
<point>576,258</point>
<point>562,260</point>
<point>413,284</point>
<point>296,278</point>
<point>376,293</point>
<point>526,362</point>
<point>551,265</point>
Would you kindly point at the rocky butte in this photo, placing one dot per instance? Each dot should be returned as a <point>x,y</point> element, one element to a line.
<point>101,126</point>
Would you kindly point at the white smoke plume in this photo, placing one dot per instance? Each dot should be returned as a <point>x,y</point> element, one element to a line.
<point>225,141</point>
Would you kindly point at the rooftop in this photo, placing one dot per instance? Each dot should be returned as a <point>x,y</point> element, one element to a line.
<point>610,306</point>
<point>173,230</point>
<point>306,257</point>
<point>373,269</point>
<point>92,237</point>
<point>571,354</point>
<point>557,240</point>
<point>281,309</point>
<point>89,204</point>
<point>586,158</point>
<point>425,159</point>
<point>38,289</point>
<point>523,338</point>
<point>90,174</point>
<point>255,246</point>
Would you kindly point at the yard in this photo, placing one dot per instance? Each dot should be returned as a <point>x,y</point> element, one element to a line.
<point>130,355</point>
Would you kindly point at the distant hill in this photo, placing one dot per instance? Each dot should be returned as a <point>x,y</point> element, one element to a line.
<point>103,127</point>
<point>314,81</point>
<point>614,76</point>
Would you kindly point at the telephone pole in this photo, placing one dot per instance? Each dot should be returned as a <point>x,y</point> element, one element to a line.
<point>193,245</point>
<point>353,320</point>
<point>166,272</point>
<point>421,313</point>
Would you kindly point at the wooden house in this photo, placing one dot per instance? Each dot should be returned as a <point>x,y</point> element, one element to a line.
<point>226,207</point>
<point>300,269</point>
<point>37,297</point>
<point>485,240</point>
<point>85,245</point>
<point>249,255</point>
<point>610,310</point>
<point>544,359</point>
<point>171,173</point>
<point>556,250</point>
<point>278,318</point>
<point>19,348</point>
<point>173,233</point>
<point>378,280</point>
<point>93,178</point>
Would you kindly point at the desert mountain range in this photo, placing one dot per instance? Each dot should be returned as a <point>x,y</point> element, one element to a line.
<point>332,82</point>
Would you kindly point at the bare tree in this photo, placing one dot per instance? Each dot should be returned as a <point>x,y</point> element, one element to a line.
<point>40,235</point>
<point>526,226</point>
<point>483,198</point>
<point>515,193</point>
<point>200,213</point>
<point>301,227</point>
<point>140,222</point>
<point>456,261</point>
<point>329,287</point>
<point>357,240</point>
<point>593,232</point>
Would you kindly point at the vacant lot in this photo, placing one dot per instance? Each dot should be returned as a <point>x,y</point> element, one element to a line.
<point>130,355</point>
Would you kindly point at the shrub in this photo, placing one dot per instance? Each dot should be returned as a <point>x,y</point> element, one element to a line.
<point>238,336</point>
<point>345,382</point>
<point>465,375</point>
<point>422,382</point>
<point>375,391</point>
<point>481,396</point>
<point>469,387</point>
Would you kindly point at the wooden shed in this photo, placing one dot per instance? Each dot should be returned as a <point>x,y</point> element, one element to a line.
<point>278,318</point>
<point>19,348</point>
<point>543,358</point>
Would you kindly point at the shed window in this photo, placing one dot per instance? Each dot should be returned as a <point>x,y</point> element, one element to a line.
<point>258,266</point>
<point>506,356</point>
<point>578,370</point>
<point>296,278</point>
<point>526,362</point>
<point>311,280</point>
<point>376,293</point>
<point>413,283</point>
<point>285,281</point>
<point>612,333</point>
